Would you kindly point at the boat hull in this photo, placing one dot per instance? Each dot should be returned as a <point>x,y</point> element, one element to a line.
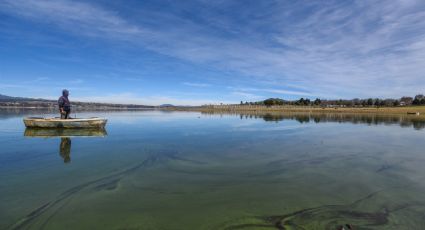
<point>78,123</point>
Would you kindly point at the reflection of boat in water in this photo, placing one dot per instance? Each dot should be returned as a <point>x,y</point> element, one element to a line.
<point>414,113</point>
<point>39,122</point>
<point>65,136</point>
<point>39,132</point>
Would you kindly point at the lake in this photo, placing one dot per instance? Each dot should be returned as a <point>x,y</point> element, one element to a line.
<point>192,170</point>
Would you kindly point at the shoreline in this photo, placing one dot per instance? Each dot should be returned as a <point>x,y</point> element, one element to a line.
<point>402,110</point>
<point>76,108</point>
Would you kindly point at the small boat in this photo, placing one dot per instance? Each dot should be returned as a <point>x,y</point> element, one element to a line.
<point>74,123</point>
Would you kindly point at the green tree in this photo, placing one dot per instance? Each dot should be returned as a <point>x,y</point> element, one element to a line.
<point>418,99</point>
<point>370,102</point>
<point>396,103</point>
<point>416,102</point>
<point>300,101</point>
<point>273,101</point>
<point>406,100</point>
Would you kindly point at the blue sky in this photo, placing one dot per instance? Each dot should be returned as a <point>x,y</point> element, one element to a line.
<point>198,52</point>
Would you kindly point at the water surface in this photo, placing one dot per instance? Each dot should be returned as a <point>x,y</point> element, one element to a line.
<point>189,170</point>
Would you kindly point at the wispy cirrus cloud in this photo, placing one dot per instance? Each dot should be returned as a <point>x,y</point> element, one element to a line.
<point>132,98</point>
<point>243,95</point>
<point>194,84</point>
<point>272,90</point>
<point>78,17</point>
<point>75,81</point>
<point>332,48</point>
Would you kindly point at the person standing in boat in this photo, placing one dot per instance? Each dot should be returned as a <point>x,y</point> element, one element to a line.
<point>64,105</point>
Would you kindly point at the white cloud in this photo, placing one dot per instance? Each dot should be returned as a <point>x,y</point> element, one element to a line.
<point>337,49</point>
<point>79,17</point>
<point>196,84</point>
<point>131,98</point>
<point>40,90</point>
<point>247,96</point>
<point>242,91</point>
<point>75,82</point>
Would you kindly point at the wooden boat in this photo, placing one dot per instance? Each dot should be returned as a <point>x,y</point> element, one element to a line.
<point>74,123</point>
<point>40,132</point>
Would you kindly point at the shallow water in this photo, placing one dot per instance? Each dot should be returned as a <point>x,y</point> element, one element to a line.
<point>189,170</point>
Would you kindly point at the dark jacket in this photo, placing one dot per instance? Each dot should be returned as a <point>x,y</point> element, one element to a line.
<point>64,103</point>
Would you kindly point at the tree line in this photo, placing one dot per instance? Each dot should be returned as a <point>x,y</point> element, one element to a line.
<point>356,102</point>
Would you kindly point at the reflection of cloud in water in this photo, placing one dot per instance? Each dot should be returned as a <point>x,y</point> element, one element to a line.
<point>154,116</point>
<point>271,128</point>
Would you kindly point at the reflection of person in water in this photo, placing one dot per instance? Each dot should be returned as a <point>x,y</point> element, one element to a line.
<point>65,149</point>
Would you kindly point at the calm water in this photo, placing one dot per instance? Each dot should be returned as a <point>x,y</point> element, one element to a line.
<point>184,170</point>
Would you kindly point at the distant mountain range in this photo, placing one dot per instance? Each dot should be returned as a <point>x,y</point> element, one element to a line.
<point>166,105</point>
<point>9,98</point>
<point>23,102</point>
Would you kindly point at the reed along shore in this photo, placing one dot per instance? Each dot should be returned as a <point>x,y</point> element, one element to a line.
<point>412,110</point>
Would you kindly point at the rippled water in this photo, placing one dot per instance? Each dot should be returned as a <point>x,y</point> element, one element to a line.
<point>188,170</point>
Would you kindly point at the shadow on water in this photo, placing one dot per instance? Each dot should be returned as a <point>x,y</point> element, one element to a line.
<point>65,137</point>
<point>417,122</point>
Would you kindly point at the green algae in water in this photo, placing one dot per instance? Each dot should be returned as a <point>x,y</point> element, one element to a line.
<point>175,171</point>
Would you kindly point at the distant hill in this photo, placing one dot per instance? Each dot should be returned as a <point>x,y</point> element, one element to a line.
<point>9,98</point>
<point>22,102</point>
<point>4,97</point>
<point>166,105</point>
